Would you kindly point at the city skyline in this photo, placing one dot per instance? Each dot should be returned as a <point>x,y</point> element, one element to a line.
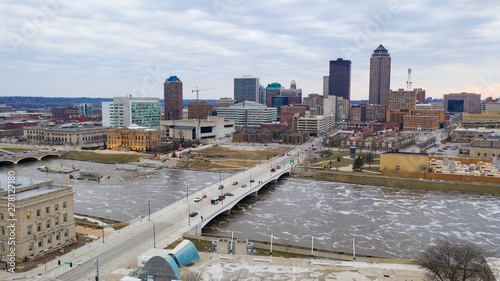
<point>96,49</point>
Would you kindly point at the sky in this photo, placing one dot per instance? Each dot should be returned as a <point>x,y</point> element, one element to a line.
<point>95,48</point>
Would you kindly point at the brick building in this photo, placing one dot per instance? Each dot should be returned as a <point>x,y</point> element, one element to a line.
<point>199,109</point>
<point>288,112</point>
<point>64,112</point>
<point>420,123</point>
<point>134,138</point>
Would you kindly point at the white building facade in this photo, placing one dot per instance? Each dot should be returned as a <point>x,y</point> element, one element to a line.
<point>248,114</point>
<point>125,111</point>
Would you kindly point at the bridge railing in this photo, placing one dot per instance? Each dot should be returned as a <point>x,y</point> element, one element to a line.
<point>238,198</point>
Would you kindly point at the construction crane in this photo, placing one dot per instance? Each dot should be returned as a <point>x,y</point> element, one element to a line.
<point>198,91</point>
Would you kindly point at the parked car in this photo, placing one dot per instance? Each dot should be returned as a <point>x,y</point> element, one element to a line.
<point>440,150</point>
<point>235,183</point>
<point>228,194</point>
<point>197,199</point>
<point>193,214</point>
<point>244,185</point>
<point>252,180</point>
<point>221,186</point>
<point>203,196</point>
<point>278,167</point>
<point>273,170</point>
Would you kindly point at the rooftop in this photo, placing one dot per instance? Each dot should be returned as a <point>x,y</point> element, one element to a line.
<point>20,181</point>
<point>381,48</point>
<point>36,192</point>
<point>173,79</point>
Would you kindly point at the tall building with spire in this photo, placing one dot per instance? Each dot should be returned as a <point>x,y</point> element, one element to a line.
<point>380,76</point>
<point>339,81</point>
<point>173,98</point>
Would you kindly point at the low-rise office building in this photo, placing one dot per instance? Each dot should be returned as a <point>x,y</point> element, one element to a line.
<point>191,129</point>
<point>314,125</point>
<point>44,217</point>
<point>134,138</point>
<point>248,113</point>
<point>66,134</point>
<point>420,123</point>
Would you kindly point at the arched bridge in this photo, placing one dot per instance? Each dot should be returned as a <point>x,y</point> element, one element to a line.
<point>13,160</point>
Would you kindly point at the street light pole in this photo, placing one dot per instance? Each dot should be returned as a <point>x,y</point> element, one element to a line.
<point>154,233</point>
<point>312,247</point>
<point>189,214</point>
<point>353,250</point>
<point>271,252</point>
<point>149,208</point>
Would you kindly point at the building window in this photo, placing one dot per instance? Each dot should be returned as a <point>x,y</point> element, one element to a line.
<point>65,217</point>
<point>57,221</point>
<point>58,237</point>
<point>64,205</point>
<point>478,154</point>
<point>56,207</point>
<point>49,239</point>
<point>66,233</point>
<point>30,248</point>
<point>28,215</point>
<point>38,213</point>
<point>3,231</point>
<point>38,227</point>
<point>47,210</point>
<point>29,230</point>
<point>48,223</point>
<point>40,243</point>
<point>3,247</point>
<point>1,216</point>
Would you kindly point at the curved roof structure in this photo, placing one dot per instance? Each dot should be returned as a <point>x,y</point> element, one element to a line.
<point>160,267</point>
<point>173,79</point>
<point>185,253</point>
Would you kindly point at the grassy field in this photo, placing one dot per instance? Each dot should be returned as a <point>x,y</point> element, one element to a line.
<point>252,153</point>
<point>104,158</point>
<point>18,149</point>
<point>317,162</point>
<point>228,165</point>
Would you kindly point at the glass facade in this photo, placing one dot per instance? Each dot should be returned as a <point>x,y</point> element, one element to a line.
<point>146,114</point>
<point>185,253</point>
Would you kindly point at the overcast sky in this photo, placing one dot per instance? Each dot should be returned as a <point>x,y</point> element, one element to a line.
<point>95,48</point>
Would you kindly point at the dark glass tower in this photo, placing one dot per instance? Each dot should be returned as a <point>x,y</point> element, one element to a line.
<point>339,81</point>
<point>380,76</point>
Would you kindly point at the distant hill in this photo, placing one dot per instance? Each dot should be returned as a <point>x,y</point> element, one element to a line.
<point>22,103</point>
<point>46,102</point>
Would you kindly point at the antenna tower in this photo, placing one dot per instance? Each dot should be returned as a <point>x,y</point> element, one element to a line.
<point>408,83</point>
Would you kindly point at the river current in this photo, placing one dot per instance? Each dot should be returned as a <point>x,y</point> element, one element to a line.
<point>384,221</point>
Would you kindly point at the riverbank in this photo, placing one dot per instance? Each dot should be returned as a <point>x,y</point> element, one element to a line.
<point>378,180</point>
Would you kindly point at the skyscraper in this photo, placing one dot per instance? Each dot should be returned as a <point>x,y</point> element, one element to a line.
<point>339,82</point>
<point>173,98</point>
<point>380,76</point>
<point>246,88</point>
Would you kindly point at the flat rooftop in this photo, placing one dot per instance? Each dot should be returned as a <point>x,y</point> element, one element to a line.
<point>20,181</point>
<point>35,192</point>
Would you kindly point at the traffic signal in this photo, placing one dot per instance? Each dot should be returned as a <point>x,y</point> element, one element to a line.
<point>70,264</point>
<point>58,262</point>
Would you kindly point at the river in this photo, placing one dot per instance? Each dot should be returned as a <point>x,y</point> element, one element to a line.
<point>384,221</point>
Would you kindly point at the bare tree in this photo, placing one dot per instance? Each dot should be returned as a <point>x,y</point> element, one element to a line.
<point>454,261</point>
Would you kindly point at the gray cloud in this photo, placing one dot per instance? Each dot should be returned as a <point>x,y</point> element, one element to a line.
<point>104,49</point>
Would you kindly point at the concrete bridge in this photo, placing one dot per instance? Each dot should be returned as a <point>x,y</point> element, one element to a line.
<point>14,160</point>
<point>225,206</point>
